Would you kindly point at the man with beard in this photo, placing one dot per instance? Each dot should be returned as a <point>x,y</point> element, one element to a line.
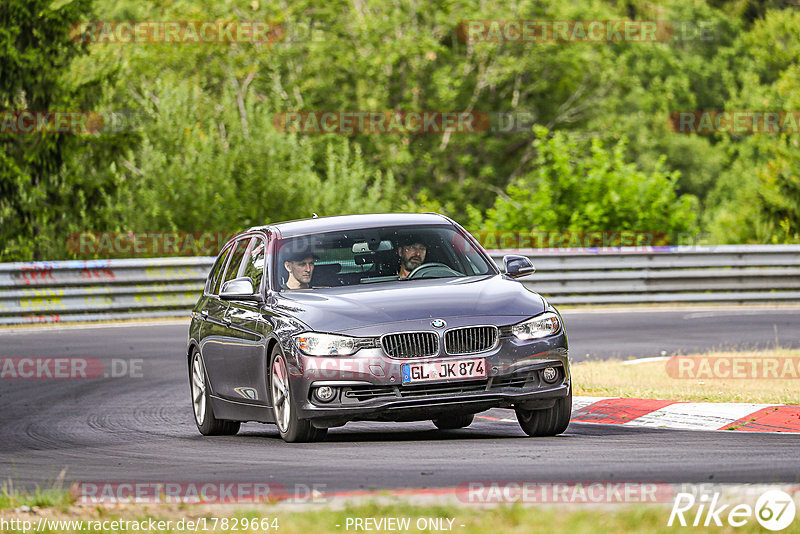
<point>412,254</point>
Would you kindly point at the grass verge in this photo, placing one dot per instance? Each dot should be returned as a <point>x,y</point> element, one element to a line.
<point>41,498</point>
<point>653,380</point>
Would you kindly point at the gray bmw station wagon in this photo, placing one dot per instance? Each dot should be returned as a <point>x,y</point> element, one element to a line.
<point>313,323</point>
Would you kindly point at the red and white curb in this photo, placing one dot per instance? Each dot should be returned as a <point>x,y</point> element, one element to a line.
<point>739,417</point>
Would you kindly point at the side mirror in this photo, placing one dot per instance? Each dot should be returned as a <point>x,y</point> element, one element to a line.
<point>239,289</point>
<point>518,266</point>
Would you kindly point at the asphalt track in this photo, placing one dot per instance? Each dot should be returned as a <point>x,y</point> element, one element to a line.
<point>141,428</point>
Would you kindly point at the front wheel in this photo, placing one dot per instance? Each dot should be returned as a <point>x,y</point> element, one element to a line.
<point>207,424</point>
<point>292,429</point>
<point>452,422</point>
<point>547,422</point>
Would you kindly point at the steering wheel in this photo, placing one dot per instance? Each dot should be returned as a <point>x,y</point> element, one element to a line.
<point>421,270</point>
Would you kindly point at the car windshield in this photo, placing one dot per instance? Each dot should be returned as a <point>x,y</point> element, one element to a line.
<point>374,256</point>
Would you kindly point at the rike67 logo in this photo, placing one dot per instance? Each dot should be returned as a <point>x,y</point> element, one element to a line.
<point>774,510</point>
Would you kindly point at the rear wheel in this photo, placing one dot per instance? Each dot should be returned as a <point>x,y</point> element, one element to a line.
<point>207,424</point>
<point>292,429</point>
<point>547,422</point>
<point>452,422</point>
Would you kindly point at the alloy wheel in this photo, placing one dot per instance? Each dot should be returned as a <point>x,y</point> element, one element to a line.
<point>198,389</point>
<point>281,399</point>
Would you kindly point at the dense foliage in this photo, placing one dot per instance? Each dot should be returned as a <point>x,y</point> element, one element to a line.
<point>199,149</point>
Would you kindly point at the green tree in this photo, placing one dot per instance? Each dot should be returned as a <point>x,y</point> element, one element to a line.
<point>578,187</point>
<point>209,157</point>
<point>779,194</point>
<point>213,162</point>
<point>42,196</point>
<point>755,199</point>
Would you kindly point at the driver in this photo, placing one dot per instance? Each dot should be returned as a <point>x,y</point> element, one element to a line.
<point>412,254</point>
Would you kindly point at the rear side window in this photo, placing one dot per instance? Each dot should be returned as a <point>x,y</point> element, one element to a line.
<point>254,262</point>
<point>236,259</point>
<point>212,284</point>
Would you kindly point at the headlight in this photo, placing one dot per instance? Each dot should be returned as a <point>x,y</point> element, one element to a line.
<point>315,344</point>
<point>540,326</point>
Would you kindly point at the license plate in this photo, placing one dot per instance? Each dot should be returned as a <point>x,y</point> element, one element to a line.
<point>452,370</point>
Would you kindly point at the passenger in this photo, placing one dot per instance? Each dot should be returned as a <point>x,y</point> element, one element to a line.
<point>300,266</point>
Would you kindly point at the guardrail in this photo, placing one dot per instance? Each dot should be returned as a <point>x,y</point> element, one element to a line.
<point>724,273</point>
<point>59,291</point>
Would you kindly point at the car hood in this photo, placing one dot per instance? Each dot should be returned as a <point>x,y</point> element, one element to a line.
<point>356,307</point>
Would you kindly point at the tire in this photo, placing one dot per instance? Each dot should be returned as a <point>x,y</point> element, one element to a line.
<point>452,422</point>
<point>292,429</point>
<point>547,422</point>
<point>207,424</point>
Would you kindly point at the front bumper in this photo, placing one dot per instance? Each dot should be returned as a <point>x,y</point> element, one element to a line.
<point>369,385</point>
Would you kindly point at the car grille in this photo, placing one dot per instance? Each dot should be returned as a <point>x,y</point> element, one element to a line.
<point>442,389</point>
<point>365,393</point>
<point>525,379</point>
<point>411,344</point>
<point>470,340</point>
<point>517,380</point>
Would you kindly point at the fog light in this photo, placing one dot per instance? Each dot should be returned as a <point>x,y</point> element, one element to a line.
<point>550,375</point>
<point>324,393</point>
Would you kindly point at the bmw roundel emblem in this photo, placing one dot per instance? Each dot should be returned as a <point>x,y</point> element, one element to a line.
<point>438,323</point>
